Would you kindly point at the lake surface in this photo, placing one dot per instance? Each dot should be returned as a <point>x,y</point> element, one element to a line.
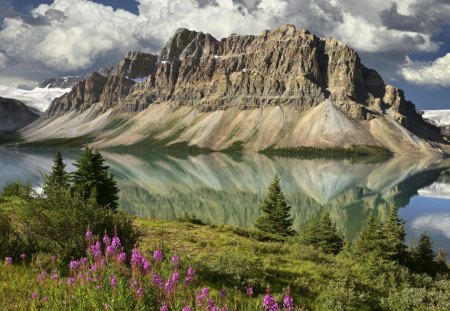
<point>220,188</point>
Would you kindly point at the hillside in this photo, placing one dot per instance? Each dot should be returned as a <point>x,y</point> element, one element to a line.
<point>14,115</point>
<point>285,88</point>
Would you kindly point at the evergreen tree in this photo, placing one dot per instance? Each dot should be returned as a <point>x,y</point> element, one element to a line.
<point>92,178</point>
<point>275,217</point>
<point>321,233</point>
<point>58,177</point>
<point>422,255</point>
<point>371,237</point>
<point>394,247</point>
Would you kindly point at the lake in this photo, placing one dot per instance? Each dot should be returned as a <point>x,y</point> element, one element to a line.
<point>223,188</point>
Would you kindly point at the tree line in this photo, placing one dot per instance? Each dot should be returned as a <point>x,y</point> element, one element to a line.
<point>378,239</point>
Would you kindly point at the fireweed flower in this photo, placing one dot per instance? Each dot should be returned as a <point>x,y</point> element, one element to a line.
<point>54,258</point>
<point>23,257</point>
<point>89,235</point>
<point>223,293</point>
<point>288,302</point>
<point>70,281</point>
<point>203,295</point>
<point>113,281</point>
<point>157,280</point>
<point>136,258</point>
<point>34,295</point>
<point>269,303</point>
<point>8,261</point>
<point>157,255</point>
<point>164,308</point>
<point>106,239</point>
<point>44,299</point>
<point>110,250</point>
<point>96,249</point>
<point>42,276</point>
<point>146,266</point>
<point>133,283</point>
<point>54,275</point>
<point>187,308</point>
<point>189,276</point>
<point>115,242</point>
<point>99,287</point>
<point>121,257</point>
<point>250,291</point>
<point>139,292</point>
<point>73,265</point>
<point>175,260</point>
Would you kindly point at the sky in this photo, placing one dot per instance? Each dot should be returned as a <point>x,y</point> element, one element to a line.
<point>406,41</point>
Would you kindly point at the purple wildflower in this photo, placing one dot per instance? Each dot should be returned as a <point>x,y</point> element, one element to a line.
<point>107,305</point>
<point>110,250</point>
<point>175,260</point>
<point>164,308</point>
<point>157,255</point>
<point>133,283</point>
<point>288,302</point>
<point>96,249</point>
<point>34,295</point>
<point>250,291</point>
<point>99,287</point>
<point>187,308</point>
<point>223,293</point>
<point>136,257</point>
<point>23,257</point>
<point>189,276</point>
<point>115,242</point>
<point>8,261</point>
<point>269,303</point>
<point>74,265</point>
<point>89,235</point>
<point>44,299</point>
<point>54,275</point>
<point>70,281</point>
<point>106,239</point>
<point>157,280</point>
<point>146,265</point>
<point>113,281</point>
<point>203,295</point>
<point>139,292</point>
<point>42,276</point>
<point>121,257</point>
<point>54,258</point>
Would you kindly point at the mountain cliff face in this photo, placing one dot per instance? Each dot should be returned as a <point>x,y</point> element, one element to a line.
<point>265,91</point>
<point>14,114</point>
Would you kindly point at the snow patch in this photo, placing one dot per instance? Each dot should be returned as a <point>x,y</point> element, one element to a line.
<point>439,117</point>
<point>38,98</point>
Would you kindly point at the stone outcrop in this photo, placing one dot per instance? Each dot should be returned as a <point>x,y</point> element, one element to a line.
<point>14,115</point>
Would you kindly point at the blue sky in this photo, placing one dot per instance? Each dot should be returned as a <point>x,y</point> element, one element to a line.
<point>407,41</point>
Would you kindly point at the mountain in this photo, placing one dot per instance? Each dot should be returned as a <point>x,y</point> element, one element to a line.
<point>285,88</point>
<point>14,115</point>
<point>441,118</point>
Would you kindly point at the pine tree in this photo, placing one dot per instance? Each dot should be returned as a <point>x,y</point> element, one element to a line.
<point>371,237</point>
<point>394,247</point>
<point>321,233</point>
<point>58,177</point>
<point>330,240</point>
<point>422,254</point>
<point>92,178</point>
<point>275,217</point>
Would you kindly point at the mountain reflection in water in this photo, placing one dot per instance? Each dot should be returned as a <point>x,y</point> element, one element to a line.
<point>221,188</point>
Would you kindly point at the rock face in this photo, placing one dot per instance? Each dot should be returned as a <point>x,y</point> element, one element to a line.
<point>106,87</point>
<point>63,82</point>
<point>14,115</point>
<point>287,67</point>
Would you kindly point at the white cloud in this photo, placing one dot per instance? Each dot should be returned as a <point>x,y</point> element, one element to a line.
<point>436,73</point>
<point>3,60</point>
<point>76,34</point>
<point>435,222</point>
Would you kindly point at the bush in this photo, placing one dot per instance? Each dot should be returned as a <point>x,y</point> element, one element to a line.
<point>56,222</point>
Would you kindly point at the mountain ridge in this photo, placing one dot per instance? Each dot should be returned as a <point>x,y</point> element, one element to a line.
<point>197,75</point>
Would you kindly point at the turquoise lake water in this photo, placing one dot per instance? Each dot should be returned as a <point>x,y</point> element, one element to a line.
<point>221,188</point>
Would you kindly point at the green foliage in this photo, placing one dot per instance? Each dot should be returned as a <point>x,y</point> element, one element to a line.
<point>17,189</point>
<point>370,238</point>
<point>275,217</point>
<point>394,247</point>
<point>92,178</point>
<point>56,222</point>
<point>58,177</point>
<point>321,233</point>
